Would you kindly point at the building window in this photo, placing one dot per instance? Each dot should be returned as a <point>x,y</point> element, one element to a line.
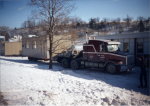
<point>139,47</point>
<point>34,44</point>
<point>126,47</point>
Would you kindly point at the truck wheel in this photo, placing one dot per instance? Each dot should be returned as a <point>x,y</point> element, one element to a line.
<point>65,63</point>
<point>111,68</point>
<point>74,65</point>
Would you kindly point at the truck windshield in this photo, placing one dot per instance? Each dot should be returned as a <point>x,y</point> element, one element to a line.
<point>112,48</point>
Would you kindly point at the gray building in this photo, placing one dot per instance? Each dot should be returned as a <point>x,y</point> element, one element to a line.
<point>132,43</point>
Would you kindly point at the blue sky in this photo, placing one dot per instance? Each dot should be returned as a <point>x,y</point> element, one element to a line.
<point>112,8</point>
<point>14,12</point>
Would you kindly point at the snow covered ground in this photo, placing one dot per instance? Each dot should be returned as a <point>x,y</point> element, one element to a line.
<point>23,82</point>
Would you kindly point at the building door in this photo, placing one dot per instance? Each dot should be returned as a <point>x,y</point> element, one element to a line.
<point>138,48</point>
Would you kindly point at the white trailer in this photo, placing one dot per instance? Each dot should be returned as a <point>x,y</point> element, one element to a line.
<point>37,47</point>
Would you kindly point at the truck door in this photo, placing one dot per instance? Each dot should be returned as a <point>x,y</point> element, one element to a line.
<point>100,54</point>
<point>89,53</point>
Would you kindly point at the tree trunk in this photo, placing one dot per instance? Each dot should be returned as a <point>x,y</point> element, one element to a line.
<point>50,51</point>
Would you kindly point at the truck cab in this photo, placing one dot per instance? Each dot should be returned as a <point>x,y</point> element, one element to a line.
<point>99,54</point>
<point>107,54</point>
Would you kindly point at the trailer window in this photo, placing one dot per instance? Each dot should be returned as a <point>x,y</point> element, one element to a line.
<point>34,44</point>
<point>27,44</point>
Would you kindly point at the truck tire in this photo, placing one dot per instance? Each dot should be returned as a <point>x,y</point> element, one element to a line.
<point>111,68</point>
<point>74,65</point>
<point>65,63</point>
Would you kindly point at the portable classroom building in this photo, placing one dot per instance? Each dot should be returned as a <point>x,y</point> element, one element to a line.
<point>37,47</point>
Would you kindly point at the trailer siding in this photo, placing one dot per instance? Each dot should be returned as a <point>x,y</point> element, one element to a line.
<point>35,47</point>
<point>38,47</point>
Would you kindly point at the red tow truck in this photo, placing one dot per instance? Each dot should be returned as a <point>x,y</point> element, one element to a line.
<point>97,54</point>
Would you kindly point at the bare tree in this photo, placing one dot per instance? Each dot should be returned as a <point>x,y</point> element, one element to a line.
<point>128,21</point>
<point>52,11</point>
<point>29,23</point>
<point>4,31</point>
<point>24,24</point>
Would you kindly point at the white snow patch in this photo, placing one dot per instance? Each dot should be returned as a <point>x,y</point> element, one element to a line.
<point>32,83</point>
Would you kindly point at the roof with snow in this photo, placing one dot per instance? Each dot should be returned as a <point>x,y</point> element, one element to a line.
<point>127,35</point>
<point>30,36</point>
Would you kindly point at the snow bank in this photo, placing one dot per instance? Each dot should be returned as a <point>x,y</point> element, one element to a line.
<point>32,83</point>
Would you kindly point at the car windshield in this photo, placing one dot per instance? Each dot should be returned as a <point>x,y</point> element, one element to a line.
<point>112,48</point>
